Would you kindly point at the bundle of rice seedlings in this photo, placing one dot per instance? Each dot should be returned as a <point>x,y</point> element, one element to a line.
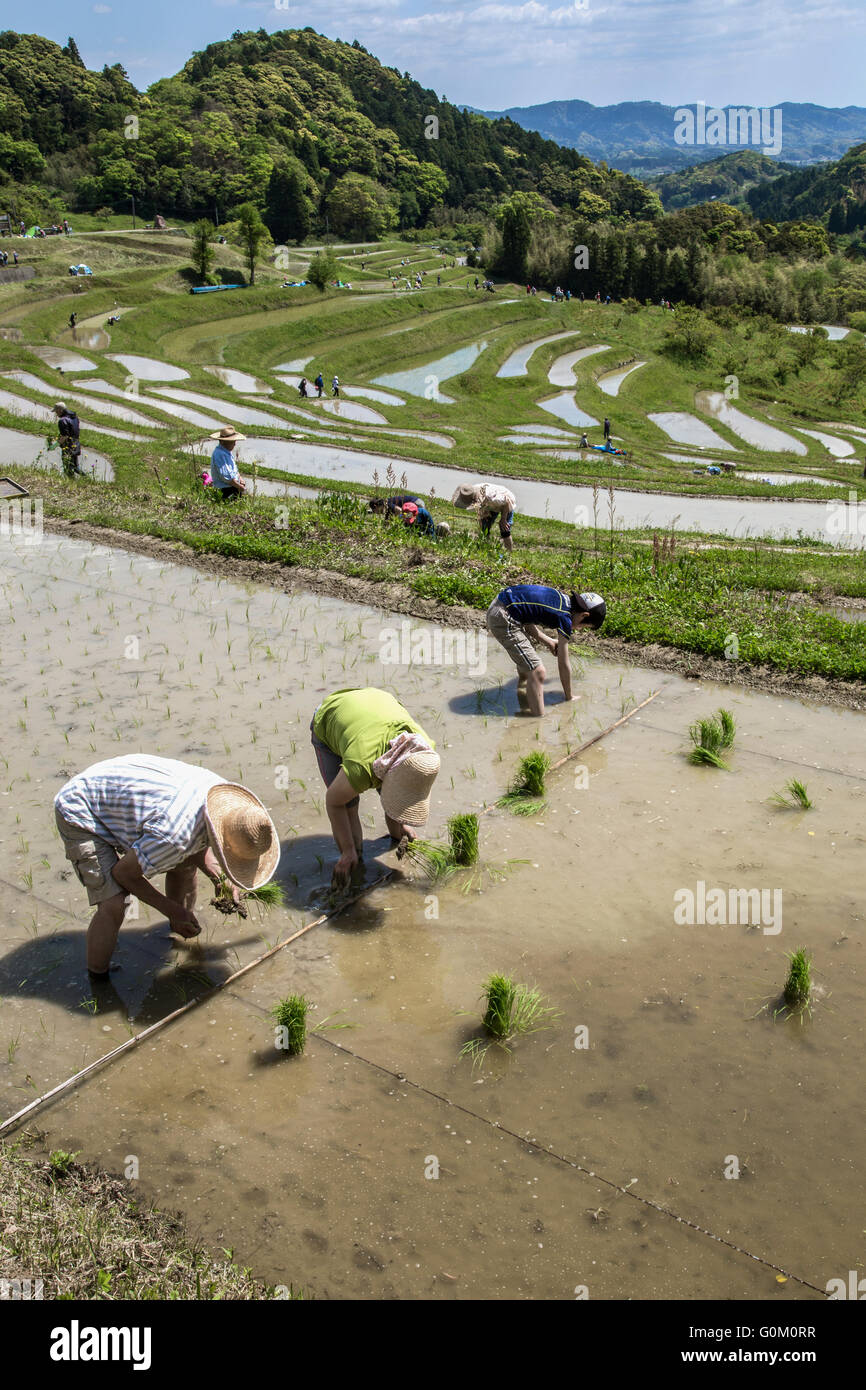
<point>290,1014</point>
<point>527,786</point>
<point>710,737</point>
<point>798,986</point>
<point>794,795</point>
<point>463,838</point>
<point>510,1011</point>
<point>269,895</point>
<point>437,860</point>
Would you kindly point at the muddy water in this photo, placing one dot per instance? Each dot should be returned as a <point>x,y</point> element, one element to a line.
<point>562,372</point>
<point>610,384</point>
<point>241,381</point>
<point>727,516</point>
<point>319,1170</point>
<point>755,432</point>
<point>148,368</point>
<point>64,360</point>
<point>688,429</point>
<point>839,448</point>
<point>565,407</point>
<point>415,382</point>
<point>516,364</point>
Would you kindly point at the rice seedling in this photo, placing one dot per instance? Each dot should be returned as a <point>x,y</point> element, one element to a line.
<point>269,895</point>
<point>290,1017</point>
<point>798,985</point>
<point>527,786</point>
<point>437,860</point>
<point>511,1010</point>
<point>710,737</point>
<point>794,795</point>
<point>463,838</point>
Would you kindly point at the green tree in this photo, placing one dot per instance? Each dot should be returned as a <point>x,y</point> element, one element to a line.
<point>288,211</point>
<point>322,270</point>
<point>250,232</point>
<point>202,254</point>
<point>517,218</point>
<point>850,363</point>
<point>689,334</point>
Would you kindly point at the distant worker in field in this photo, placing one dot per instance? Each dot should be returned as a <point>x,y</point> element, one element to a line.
<point>302,387</point>
<point>365,740</point>
<point>515,617</point>
<point>417,516</point>
<point>492,502</point>
<point>335,386</point>
<point>128,819</point>
<point>69,431</point>
<point>73,320</point>
<point>584,442</point>
<point>606,429</point>
<point>390,506</point>
<point>224,471</point>
<point>320,384</point>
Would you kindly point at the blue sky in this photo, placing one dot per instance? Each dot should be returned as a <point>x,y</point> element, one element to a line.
<point>492,54</point>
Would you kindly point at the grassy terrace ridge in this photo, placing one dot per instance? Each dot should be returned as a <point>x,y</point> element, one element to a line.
<point>86,1235</point>
<point>370,330</point>
<point>772,598</point>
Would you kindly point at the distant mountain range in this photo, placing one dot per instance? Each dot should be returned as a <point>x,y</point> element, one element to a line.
<point>638,137</point>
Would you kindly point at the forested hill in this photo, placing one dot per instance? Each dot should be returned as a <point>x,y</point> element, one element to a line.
<point>262,114</point>
<point>832,193</point>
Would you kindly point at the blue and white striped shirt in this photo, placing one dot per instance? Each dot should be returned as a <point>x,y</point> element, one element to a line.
<point>154,806</point>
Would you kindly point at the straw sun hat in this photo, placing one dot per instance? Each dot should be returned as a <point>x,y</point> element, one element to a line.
<point>465,496</point>
<point>227,435</point>
<point>242,835</point>
<point>406,788</point>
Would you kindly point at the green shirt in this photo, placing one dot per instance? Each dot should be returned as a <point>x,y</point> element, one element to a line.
<point>358,725</point>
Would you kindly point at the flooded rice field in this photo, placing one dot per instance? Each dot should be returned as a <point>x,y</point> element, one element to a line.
<point>63,360</point>
<point>598,1153</point>
<point>517,362</point>
<point>417,381</point>
<point>732,516</point>
<point>611,382</point>
<point>241,381</point>
<point>562,372</point>
<point>565,407</point>
<point>148,368</point>
<point>30,451</point>
<point>754,432</point>
<point>688,429</point>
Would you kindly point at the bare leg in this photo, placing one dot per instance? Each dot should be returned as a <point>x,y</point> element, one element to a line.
<point>522,697</point>
<point>102,933</point>
<point>535,691</point>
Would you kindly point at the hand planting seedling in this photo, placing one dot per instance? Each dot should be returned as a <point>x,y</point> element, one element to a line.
<point>523,797</point>
<point>269,895</point>
<point>794,796</point>
<point>711,737</point>
<point>511,1010</point>
<point>441,861</point>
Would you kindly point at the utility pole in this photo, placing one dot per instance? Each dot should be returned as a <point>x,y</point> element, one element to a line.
<point>133,211</point>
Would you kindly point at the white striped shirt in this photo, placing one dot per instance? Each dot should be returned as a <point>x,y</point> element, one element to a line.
<point>154,806</point>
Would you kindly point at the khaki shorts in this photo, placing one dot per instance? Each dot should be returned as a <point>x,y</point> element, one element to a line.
<point>510,635</point>
<point>92,859</point>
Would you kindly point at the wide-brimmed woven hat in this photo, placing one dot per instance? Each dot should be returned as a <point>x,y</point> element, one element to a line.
<point>465,496</point>
<point>227,435</point>
<point>242,835</point>
<point>406,788</point>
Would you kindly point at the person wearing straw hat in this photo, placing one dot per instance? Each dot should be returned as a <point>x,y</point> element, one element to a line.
<point>364,740</point>
<point>127,819</point>
<point>490,501</point>
<point>224,471</point>
<point>514,619</point>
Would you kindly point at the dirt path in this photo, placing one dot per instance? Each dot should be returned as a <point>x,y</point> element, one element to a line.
<point>399,598</point>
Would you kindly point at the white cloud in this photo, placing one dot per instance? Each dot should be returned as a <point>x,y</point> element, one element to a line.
<point>102,9</point>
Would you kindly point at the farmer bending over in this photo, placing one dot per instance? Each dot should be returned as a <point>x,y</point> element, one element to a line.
<point>224,471</point>
<point>416,515</point>
<point>390,506</point>
<point>491,502</point>
<point>514,618</point>
<point>128,819</point>
<point>364,739</point>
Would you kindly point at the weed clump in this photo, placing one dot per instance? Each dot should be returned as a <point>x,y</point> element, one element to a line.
<point>710,738</point>
<point>794,795</point>
<point>524,795</point>
<point>290,1016</point>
